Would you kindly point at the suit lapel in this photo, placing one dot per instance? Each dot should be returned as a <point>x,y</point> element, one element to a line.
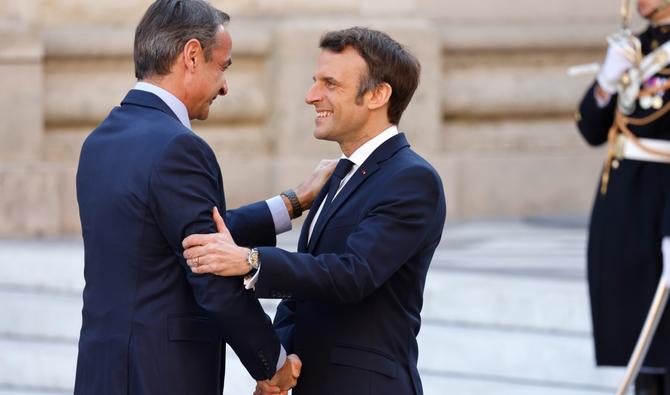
<point>304,233</point>
<point>369,167</point>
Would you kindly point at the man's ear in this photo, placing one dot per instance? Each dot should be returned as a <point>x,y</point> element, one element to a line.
<point>190,54</point>
<point>381,95</point>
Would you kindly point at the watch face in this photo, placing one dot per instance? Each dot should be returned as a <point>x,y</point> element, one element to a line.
<point>253,258</point>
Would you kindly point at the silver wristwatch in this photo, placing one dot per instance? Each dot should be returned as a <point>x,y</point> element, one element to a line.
<point>254,262</point>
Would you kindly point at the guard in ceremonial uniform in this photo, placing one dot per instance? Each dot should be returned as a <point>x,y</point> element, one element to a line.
<point>628,107</point>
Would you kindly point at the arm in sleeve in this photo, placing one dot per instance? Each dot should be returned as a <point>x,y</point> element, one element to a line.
<point>251,225</point>
<point>593,120</point>
<point>284,323</point>
<point>411,209</point>
<point>185,185</point>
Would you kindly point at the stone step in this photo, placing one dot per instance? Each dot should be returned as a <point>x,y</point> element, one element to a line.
<point>37,364</point>
<point>503,300</point>
<point>32,391</point>
<point>54,265</point>
<point>513,354</point>
<point>452,297</point>
<point>436,384</point>
<point>502,354</point>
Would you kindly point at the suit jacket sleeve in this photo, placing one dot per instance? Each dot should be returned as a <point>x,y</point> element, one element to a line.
<point>378,246</point>
<point>184,186</point>
<point>284,323</point>
<point>594,122</point>
<point>251,225</point>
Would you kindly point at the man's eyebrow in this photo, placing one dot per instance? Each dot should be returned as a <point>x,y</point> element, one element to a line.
<point>329,80</point>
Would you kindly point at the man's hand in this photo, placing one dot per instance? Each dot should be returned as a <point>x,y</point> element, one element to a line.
<point>216,252</point>
<point>285,378</point>
<point>309,188</point>
<point>265,388</point>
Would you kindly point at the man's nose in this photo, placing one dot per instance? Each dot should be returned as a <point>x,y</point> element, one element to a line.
<point>313,95</point>
<point>224,88</point>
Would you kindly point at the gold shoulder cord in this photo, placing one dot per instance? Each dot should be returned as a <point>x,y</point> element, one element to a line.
<point>620,126</point>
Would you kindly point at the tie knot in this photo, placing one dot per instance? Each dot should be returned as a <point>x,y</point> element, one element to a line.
<point>342,168</point>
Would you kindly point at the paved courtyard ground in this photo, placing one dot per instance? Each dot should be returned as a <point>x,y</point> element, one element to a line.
<point>506,312</point>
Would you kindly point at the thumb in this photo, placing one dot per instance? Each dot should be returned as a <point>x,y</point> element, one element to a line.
<point>218,220</point>
<point>296,365</point>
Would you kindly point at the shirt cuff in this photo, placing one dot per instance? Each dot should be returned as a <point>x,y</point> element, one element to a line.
<point>280,215</point>
<point>282,357</point>
<point>250,283</point>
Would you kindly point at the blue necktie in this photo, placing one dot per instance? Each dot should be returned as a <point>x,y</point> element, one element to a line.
<point>341,171</point>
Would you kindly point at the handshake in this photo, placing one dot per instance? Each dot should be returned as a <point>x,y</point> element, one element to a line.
<point>285,378</point>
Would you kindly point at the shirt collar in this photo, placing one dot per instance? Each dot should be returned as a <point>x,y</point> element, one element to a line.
<point>171,100</point>
<point>364,151</point>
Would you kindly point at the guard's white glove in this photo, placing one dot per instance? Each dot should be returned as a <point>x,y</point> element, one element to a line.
<point>620,57</point>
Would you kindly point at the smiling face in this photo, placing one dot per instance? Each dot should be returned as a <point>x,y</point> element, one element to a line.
<point>206,80</point>
<point>340,116</point>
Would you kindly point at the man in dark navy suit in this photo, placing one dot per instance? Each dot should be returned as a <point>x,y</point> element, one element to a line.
<point>145,181</point>
<point>354,290</point>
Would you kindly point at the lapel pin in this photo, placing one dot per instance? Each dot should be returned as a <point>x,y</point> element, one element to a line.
<point>363,172</point>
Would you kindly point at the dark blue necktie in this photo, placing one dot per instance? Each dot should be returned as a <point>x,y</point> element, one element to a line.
<point>341,171</point>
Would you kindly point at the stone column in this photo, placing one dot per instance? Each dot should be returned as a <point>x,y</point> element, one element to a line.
<point>21,56</point>
<point>27,203</point>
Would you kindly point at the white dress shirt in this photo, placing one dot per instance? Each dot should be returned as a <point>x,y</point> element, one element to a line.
<point>357,157</point>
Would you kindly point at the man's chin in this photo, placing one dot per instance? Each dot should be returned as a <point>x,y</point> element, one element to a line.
<point>203,116</point>
<point>320,134</point>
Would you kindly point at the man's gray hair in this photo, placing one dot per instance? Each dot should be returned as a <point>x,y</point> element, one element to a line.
<point>165,29</point>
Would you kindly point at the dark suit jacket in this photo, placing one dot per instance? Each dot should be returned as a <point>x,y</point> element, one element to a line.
<point>353,296</point>
<point>150,326</point>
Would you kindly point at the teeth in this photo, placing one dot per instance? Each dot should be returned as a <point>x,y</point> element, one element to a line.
<point>323,114</point>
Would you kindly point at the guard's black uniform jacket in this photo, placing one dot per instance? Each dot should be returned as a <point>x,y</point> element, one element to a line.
<point>627,225</point>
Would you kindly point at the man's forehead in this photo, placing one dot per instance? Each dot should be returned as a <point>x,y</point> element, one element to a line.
<point>346,61</point>
<point>222,38</point>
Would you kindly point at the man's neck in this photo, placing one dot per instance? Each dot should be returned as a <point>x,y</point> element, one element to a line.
<point>166,83</point>
<point>367,134</point>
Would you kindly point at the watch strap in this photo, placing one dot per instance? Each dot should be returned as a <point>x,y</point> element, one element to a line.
<point>295,203</point>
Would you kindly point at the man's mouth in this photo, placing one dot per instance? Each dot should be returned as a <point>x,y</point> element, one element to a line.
<point>323,114</point>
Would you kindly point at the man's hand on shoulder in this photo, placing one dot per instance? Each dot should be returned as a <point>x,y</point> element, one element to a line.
<point>283,380</point>
<point>309,188</point>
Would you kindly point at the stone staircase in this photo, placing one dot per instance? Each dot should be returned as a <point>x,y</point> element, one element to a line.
<point>506,312</point>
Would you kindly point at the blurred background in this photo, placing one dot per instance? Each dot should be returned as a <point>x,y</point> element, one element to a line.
<point>494,113</point>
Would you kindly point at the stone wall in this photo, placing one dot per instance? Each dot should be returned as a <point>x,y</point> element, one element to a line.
<point>493,112</point>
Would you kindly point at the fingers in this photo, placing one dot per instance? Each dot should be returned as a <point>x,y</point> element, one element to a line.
<point>218,220</point>
<point>265,388</point>
<point>200,262</point>
<point>296,365</point>
<point>193,252</point>
<point>287,376</point>
<point>197,240</point>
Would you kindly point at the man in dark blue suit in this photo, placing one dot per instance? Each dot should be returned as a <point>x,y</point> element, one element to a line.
<point>145,181</point>
<point>354,290</point>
